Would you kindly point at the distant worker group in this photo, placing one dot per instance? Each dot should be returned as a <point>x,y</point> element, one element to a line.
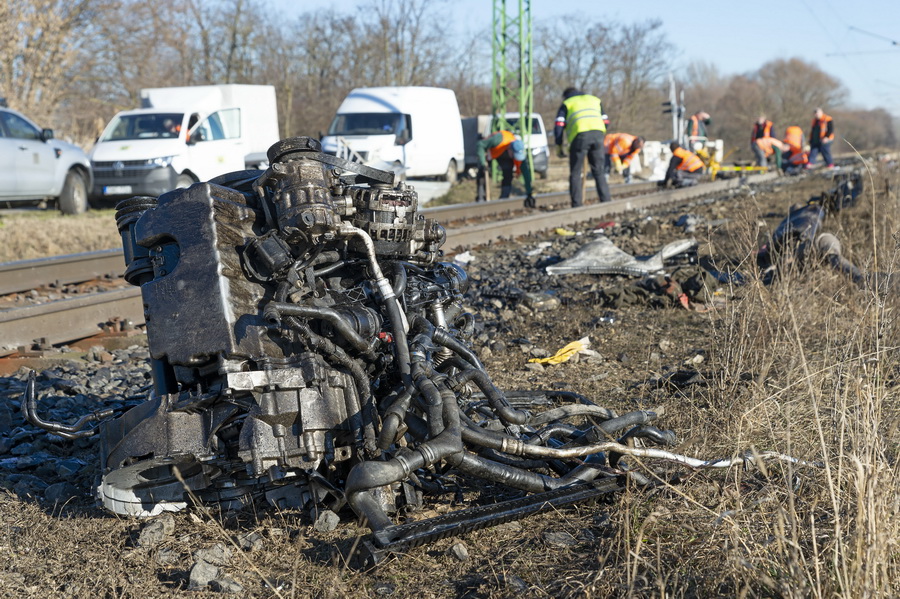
<point>581,124</point>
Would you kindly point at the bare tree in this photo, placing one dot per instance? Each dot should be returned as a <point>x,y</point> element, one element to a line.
<point>39,43</point>
<point>624,65</point>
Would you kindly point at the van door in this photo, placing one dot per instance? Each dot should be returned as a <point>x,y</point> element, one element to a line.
<point>8,152</point>
<point>215,146</point>
<point>35,160</point>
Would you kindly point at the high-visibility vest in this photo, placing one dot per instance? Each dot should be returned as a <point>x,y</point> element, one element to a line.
<point>583,113</point>
<point>689,161</point>
<point>695,128</point>
<point>767,145</point>
<point>793,137</point>
<point>764,130</point>
<point>822,124</point>
<point>497,150</point>
<point>619,144</point>
<point>798,158</point>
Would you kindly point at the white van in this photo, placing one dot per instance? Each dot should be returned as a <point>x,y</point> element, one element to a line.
<point>182,135</point>
<point>412,130</point>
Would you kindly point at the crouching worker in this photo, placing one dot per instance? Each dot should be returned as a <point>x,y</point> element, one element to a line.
<point>794,159</point>
<point>621,149</point>
<point>509,153</point>
<point>685,167</point>
<point>765,148</point>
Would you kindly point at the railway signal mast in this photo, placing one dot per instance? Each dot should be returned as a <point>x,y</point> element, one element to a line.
<point>512,86</point>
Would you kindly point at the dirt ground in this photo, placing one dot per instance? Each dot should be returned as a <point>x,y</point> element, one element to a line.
<point>806,367</point>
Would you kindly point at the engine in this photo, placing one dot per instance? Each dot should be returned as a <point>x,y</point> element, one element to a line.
<point>309,347</point>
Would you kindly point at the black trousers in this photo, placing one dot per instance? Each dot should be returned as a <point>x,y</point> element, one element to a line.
<point>590,144</point>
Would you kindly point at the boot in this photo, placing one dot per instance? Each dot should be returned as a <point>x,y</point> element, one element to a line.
<point>505,191</point>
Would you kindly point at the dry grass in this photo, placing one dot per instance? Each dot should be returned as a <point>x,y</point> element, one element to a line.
<point>40,233</point>
<point>807,367</point>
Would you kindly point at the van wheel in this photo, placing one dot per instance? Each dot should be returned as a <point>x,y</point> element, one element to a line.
<point>451,175</point>
<point>74,196</point>
<point>183,182</point>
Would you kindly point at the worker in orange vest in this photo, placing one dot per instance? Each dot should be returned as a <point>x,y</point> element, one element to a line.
<point>685,167</point>
<point>821,135</point>
<point>509,152</point>
<point>765,147</point>
<point>761,128</point>
<point>696,128</point>
<point>795,157</point>
<point>621,149</point>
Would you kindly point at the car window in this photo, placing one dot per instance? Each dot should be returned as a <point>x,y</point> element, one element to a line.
<point>224,124</point>
<point>18,127</point>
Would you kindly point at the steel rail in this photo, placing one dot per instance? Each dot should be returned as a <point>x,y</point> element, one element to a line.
<point>68,319</point>
<point>23,275</point>
<point>483,233</point>
<point>76,318</point>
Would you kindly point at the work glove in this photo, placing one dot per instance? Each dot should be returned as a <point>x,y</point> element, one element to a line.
<point>560,151</point>
<point>529,201</point>
<point>617,164</point>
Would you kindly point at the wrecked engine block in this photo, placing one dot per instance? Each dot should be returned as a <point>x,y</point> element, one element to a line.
<point>309,346</point>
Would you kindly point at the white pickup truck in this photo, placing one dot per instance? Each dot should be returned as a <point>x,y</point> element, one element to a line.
<point>37,167</point>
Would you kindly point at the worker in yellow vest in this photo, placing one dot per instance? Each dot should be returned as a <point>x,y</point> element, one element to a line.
<point>685,167</point>
<point>580,119</point>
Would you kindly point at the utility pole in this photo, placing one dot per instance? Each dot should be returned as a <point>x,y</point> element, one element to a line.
<point>676,108</point>
<point>512,87</point>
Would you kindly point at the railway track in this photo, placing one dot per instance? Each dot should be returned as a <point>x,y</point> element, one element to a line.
<point>66,320</point>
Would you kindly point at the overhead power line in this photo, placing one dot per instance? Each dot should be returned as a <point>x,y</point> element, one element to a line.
<point>869,33</point>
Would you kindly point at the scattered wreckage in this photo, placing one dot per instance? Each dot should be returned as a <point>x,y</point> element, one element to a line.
<point>798,241</point>
<point>308,346</point>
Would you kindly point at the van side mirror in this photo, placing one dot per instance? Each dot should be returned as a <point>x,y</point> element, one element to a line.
<point>403,138</point>
<point>46,134</point>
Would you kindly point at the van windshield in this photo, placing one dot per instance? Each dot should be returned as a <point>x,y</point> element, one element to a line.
<point>144,126</point>
<point>368,123</point>
<point>514,122</point>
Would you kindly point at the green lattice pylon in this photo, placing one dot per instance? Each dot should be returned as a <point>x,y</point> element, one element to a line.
<point>512,87</point>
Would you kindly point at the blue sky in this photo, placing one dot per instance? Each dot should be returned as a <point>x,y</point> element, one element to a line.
<point>856,41</point>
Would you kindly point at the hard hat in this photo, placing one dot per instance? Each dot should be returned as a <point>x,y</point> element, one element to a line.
<point>518,149</point>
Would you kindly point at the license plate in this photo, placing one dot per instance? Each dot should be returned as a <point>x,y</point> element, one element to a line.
<point>116,189</point>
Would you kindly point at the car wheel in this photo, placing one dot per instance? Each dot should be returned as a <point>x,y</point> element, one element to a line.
<point>183,181</point>
<point>451,175</point>
<point>74,196</point>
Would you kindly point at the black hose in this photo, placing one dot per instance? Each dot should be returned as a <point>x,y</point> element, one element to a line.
<point>372,474</point>
<point>553,430</point>
<point>494,396</point>
<point>400,279</point>
<point>568,412</point>
<point>274,311</point>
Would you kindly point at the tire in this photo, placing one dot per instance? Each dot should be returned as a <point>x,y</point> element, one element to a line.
<point>452,174</point>
<point>183,182</point>
<point>74,196</point>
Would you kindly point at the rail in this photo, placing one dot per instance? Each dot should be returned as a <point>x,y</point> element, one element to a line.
<point>76,318</point>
